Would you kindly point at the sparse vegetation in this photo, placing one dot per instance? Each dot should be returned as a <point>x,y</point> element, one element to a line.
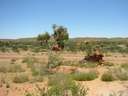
<point>108,76</point>
<point>121,74</point>
<point>30,61</point>
<point>11,68</point>
<point>115,74</point>
<point>60,84</point>
<point>89,49</point>
<point>65,86</point>
<point>77,44</point>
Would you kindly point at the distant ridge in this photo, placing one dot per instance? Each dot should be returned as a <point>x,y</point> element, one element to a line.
<point>7,39</point>
<point>74,39</point>
<point>99,39</point>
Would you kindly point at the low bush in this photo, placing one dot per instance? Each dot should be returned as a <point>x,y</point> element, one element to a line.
<point>107,77</point>
<point>121,74</point>
<point>85,76</point>
<point>20,78</point>
<point>115,74</point>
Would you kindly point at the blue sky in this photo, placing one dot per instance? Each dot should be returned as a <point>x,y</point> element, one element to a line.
<point>83,18</point>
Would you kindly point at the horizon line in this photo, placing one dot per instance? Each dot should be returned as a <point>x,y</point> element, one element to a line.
<point>107,37</point>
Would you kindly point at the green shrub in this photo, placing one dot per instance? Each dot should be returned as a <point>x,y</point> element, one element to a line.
<point>20,78</point>
<point>107,77</point>
<point>34,72</point>
<point>54,60</point>
<point>84,76</point>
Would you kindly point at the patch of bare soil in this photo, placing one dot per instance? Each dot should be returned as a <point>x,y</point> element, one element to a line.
<point>22,89</point>
<point>99,88</point>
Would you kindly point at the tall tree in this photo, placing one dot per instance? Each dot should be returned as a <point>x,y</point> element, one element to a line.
<point>60,35</point>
